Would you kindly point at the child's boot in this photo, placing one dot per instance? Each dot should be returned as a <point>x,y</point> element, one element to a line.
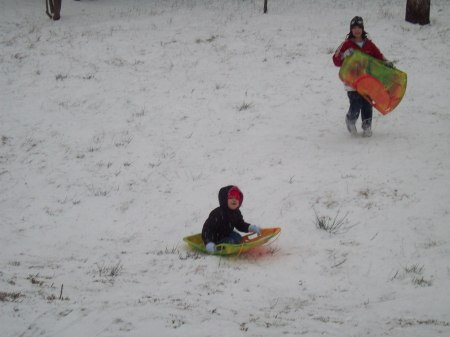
<point>351,126</point>
<point>367,132</point>
<point>367,128</point>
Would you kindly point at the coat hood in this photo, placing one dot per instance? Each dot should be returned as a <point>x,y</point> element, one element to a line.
<point>223,196</point>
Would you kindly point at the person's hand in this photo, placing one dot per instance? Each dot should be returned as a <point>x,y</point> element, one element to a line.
<point>254,228</point>
<point>388,63</point>
<point>210,247</point>
<point>348,52</point>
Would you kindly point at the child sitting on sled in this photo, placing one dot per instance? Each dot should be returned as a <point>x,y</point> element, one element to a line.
<point>220,225</point>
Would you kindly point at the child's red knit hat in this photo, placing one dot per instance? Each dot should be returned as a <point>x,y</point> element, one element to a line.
<point>236,193</point>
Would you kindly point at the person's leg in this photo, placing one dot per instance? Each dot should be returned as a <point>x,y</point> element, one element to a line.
<point>366,117</point>
<point>234,237</point>
<point>50,6</point>
<point>57,9</point>
<point>353,110</point>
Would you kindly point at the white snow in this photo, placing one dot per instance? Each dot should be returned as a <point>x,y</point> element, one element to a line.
<point>120,123</point>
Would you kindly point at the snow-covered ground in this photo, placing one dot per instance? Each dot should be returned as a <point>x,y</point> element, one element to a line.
<point>119,124</point>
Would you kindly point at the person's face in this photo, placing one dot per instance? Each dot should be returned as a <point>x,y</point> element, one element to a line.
<point>233,204</point>
<point>357,32</point>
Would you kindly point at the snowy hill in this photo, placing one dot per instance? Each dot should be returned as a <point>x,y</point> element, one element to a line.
<point>120,122</point>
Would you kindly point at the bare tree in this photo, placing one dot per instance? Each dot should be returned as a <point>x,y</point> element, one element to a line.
<point>265,6</point>
<point>418,11</point>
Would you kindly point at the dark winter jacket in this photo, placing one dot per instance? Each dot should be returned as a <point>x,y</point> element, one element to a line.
<point>222,220</point>
<point>368,47</point>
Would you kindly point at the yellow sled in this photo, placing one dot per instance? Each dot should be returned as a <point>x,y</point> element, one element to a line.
<point>248,242</point>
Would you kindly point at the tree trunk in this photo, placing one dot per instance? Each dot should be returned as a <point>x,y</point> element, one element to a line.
<point>418,11</point>
<point>265,6</point>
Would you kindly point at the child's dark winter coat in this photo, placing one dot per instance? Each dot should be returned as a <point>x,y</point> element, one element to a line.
<point>222,220</point>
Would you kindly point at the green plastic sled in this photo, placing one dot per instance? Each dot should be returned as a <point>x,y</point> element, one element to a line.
<point>248,242</point>
<point>381,86</point>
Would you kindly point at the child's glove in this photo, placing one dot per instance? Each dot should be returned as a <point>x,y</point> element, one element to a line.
<point>254,228</point>
<point>210,247</point>
<point>348,52</point>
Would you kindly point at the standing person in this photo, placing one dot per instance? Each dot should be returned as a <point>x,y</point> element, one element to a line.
<point>221,222</point>
<point>357,40</point>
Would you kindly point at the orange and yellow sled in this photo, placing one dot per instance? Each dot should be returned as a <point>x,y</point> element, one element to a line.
<point>381,86</point>
<point>248,242</point>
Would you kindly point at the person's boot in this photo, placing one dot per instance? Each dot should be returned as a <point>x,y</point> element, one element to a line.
<point>367,132</point>
<point>367,128</point>
<point>351,127</point>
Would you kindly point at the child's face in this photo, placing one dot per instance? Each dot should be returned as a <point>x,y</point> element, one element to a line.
<point>357,31</point>
<point>233,204</point>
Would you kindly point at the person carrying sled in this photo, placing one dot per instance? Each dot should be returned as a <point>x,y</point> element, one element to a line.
<point>357,40</point>
<point>223,220</point>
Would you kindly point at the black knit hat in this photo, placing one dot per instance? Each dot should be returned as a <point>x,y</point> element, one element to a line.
<point>357,21</point>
